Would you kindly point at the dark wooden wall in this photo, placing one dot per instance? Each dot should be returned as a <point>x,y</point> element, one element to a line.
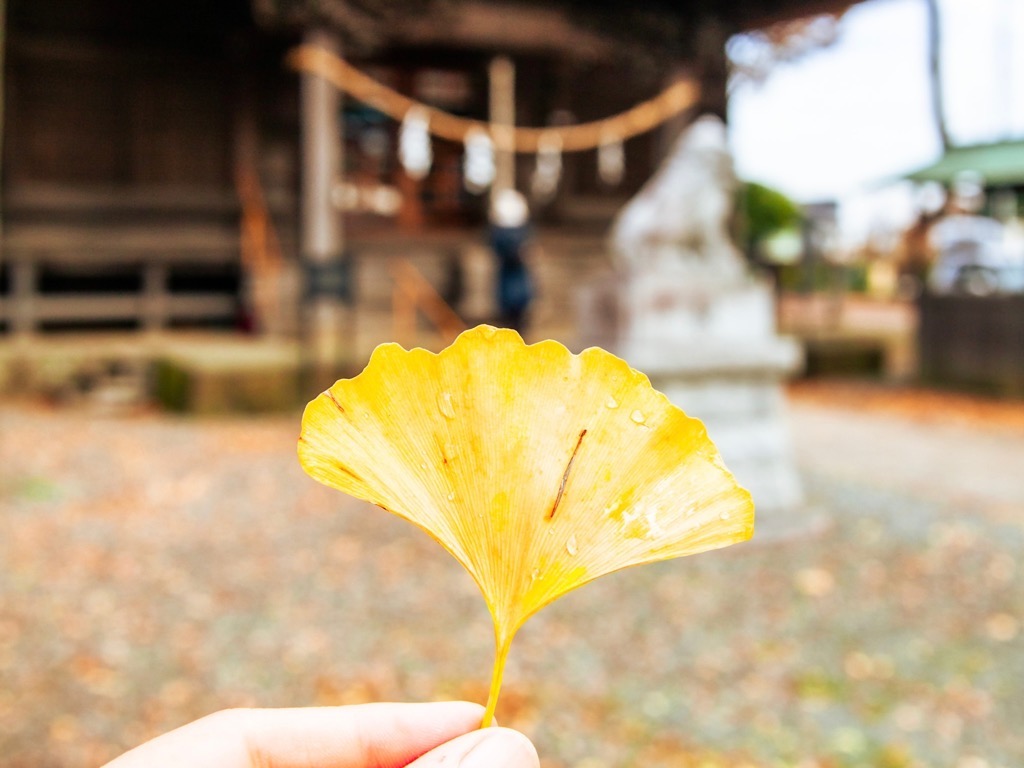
<point>119,93</point>
<point>85,114</point>
<point>975,342</point>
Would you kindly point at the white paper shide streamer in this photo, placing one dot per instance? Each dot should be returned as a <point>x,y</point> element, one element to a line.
<point>478,165</point>
<point>611,160</point>
<point>414,149</point>
<point>548,170</point>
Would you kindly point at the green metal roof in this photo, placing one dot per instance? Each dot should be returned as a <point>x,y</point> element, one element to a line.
<point>1000,164</point>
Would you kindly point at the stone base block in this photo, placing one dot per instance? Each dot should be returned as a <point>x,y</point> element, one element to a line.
<point>250,383</point>
<point>745,417</point>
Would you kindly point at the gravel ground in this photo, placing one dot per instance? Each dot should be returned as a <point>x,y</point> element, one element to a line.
<point>154,569</point>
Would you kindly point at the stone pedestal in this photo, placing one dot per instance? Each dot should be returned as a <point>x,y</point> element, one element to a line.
<point>715,354</point>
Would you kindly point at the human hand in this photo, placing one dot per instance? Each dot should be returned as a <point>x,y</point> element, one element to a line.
<point>362,736</point>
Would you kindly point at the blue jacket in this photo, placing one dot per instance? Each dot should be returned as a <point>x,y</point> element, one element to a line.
<point>515,289</point>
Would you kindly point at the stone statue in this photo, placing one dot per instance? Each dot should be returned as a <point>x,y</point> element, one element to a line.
<point>678,224</point>
<point>682,307</point>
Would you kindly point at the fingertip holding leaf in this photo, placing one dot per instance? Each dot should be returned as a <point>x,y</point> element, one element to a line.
<point>537,469</point>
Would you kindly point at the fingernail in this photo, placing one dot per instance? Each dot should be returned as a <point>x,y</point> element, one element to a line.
<point>500,748</point>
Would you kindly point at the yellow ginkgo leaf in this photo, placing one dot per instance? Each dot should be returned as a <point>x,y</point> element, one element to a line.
<point>537,469</point>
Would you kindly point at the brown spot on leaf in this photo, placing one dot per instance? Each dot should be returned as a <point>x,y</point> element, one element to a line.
<point>333,399</point>
<point>565,476</point>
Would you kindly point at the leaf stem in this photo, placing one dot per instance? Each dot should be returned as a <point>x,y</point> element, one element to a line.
<point>501,649</point>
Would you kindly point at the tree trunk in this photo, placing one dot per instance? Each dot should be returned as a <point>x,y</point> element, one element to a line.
<point>935,71</point>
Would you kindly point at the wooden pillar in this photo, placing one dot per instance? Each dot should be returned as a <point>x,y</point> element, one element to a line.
<point>154,296</point>
<point>23,297</point>
<point>502,74</point>
<point>566,76</point>
<point>709,65</point>
<point>3,93</point>
<point>712,66</point>
<point>321,233</point>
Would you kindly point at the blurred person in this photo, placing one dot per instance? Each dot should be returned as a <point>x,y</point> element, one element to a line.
<point>362,736</point>
<point>916,255</point>
<point>510,239</point>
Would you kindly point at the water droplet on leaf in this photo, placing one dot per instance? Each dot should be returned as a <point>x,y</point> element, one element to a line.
<point>638,417</point>
<point>444,403</point>
<point>570,545</point>
<point>611,402</point>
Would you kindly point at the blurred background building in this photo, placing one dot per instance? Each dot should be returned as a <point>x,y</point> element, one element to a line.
<point>153,163</point>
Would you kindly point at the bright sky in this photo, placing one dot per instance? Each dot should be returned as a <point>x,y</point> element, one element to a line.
<point>844,119</point>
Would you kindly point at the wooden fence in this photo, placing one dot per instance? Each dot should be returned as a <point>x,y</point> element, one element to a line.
<point>973,341</point>
<point>149,255</point>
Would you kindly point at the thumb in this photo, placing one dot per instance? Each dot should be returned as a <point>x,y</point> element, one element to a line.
<point>485,748</point>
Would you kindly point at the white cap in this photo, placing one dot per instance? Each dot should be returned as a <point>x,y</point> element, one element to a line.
<point>509,209</point>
